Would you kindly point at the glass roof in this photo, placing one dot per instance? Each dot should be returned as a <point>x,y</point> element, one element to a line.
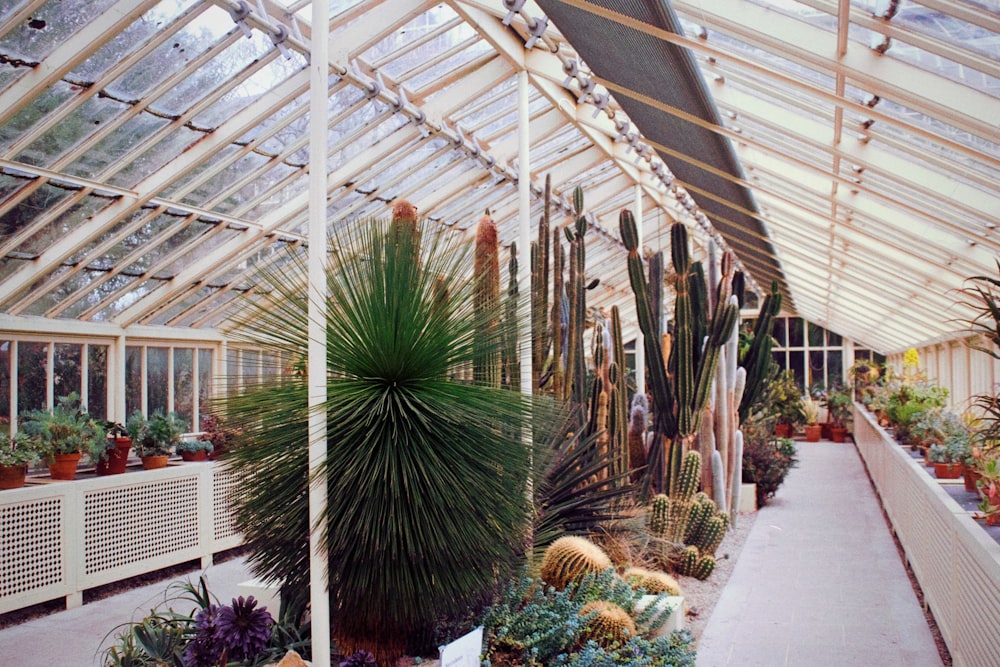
<point>154,152</point>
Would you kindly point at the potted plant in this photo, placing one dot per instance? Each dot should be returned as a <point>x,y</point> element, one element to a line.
<point>989,488</point>
<point>220,434</point>
<point>863,373</point>
<point>62,434</point>
<point>787,404</point>
<point>810,409</point>
<point>838,405</point>
<point>154,438</point>
<point>110,455</point>
<point>15,457</point>
<point>194,450</point>
<point>949,457</point>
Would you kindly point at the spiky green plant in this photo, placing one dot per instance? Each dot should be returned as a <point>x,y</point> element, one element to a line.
<point>426,473</point>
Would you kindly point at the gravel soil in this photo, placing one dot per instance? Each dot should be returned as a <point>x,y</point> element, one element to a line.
<point>700,597</point>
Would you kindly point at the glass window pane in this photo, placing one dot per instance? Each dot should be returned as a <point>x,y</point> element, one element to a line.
<point>815,335</point>
<point>205,375</point>
<point>184,383</point>
<point>817,379</point>
<point>796,362</point>
<point>32,363</point>
<point>66,374</point>
<point>780,358</point>
<point>156,379</point>
<point>133,379</point>
<point>835,368</point>
<point>232,371</point>
<point>794,332</point>
<point>4,384</point>
<point>251,367</point>
<point>97,381</point>
<point>833,339</point>
<point>780,325</point>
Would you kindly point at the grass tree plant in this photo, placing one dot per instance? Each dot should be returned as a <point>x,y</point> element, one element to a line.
<point>426,472</point>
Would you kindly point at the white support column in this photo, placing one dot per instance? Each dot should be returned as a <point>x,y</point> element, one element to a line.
<point>84,373</point>
<point>319,68</point>
<point>50,382</point>
<point>640,351</point>
<point>116,380</point>
<point>524,230</point>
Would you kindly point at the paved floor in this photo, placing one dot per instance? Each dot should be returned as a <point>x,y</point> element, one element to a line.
<point>819,581</point>
<point>75,638</point>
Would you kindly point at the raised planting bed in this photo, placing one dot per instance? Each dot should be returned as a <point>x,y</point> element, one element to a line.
<point>954,558</point>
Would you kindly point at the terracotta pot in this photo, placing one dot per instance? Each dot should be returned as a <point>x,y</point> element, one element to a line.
<point>117,458</point>
<point>971,477</point>
<point>154,462</point>
<point>195,456</point>
<point>838,434</point>
<point>993,519</point>
<point>813,432</point>
<point>63,466</point>
<point>783,430</point>
<point>948,470</point>
<point>12,477</point>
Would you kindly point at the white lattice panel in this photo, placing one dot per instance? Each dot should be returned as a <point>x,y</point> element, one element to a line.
<point>225,490</point>
<point>31,546</point>
<point>138,522</point>
<point>956,563</point>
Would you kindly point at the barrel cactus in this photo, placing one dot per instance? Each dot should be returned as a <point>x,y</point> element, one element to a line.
<point>571,557</point>
<point>653,582</point>
<point>610,624</point>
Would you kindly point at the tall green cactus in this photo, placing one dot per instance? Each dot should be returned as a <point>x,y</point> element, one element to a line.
<point>757,360</point>
<point>678,400</point>
<point>486,364</point>
<point>541,334</point>
<point>576,370</point>
<point>511,365</point>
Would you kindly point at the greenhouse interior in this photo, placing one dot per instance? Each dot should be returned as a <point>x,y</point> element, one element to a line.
<point>499,332</point>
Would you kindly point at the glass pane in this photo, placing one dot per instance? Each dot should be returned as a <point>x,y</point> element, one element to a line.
<point>232,371</point>
<point>67,372</point>
<point>779,331</point>
<point>205,361</point>
<point>133,379</point>
<point>817,380</point>
<point>796,363</point>
<point>156,379</point>
<point>4,385</point>
<point>97,381</point>
<point>184,383</point>
<point>815,335</point>
<point>794,332</point>
<point>251,367</point>
<point>32,364</point>
<point>780,358</point>
<point>835,368</point>
<point>833,339</point>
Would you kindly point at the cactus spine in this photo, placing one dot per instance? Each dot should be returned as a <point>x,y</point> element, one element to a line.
<point>569,558</point>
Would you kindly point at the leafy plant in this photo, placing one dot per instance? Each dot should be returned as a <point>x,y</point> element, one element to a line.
<point>14,452</point>
<point>156,436</point>
<point>766,463</point>
<point>810,410</point>
<point>426,472</point>
<point>784,399</point>
<point>66,429</point>
<point>194,446</point>
<point>531,624</point>
<point>838,405</point>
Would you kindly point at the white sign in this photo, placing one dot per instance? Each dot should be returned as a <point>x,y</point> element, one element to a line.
<point>464,651</point>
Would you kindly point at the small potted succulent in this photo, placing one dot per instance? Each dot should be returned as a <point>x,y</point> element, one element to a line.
<point>153,439</point>
<point>15,457</point>
<point>810,409</point>
<point>62,434</point>
<point>194,450</point>
<point>110,456</point>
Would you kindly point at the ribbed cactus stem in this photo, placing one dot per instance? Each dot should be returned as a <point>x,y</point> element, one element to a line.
<point>620,415</point>
<point>486,365</point>
<point>737,478</point>
<point>658,515</point>
<point>556,324</point>
<point>719,481</point>
<point>511,365</point>
<point>707,446</point>
<point>637,437</point>
<point>686,484</point>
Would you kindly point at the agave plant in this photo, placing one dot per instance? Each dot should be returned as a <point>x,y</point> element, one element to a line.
<point>426,472</point>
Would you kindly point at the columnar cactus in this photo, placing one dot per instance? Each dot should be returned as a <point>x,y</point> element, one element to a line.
<point>511,366</point>
<point>678,399</point>
<point>486,366</point>
<point>758,362</point>
<point>610,623</point>
<point>637,436</point>
<point>541,335</point>
<point>691,563</point>
<point>569,558</point>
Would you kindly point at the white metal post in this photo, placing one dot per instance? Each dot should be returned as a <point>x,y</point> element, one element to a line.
<point>640,351</point>
<point>524,230</point>
<point>319,68</point>
<point>117,379</point>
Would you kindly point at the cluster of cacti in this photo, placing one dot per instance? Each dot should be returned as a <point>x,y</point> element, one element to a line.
<point>692,563</point>
<point>610,623</point>
<point>757,360</point>
<point>486,366</point>
<point>653,582</point>
<point>706,525</point>
<point>569,558</point>
<point>681,385</point>
<point>669,515</point>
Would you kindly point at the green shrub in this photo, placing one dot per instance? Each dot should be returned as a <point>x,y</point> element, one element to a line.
<point>766,463</point>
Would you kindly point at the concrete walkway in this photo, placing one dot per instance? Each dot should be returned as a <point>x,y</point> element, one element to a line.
<point>819,581</point>
<point>74,638</point>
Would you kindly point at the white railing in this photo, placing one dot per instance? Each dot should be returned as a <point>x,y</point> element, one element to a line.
<point>58,539</point>
<point>955,561</point>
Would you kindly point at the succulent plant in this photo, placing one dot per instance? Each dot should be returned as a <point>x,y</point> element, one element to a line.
<point>610,623</point>
<point>653,582</point>
<point>571,557</point>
